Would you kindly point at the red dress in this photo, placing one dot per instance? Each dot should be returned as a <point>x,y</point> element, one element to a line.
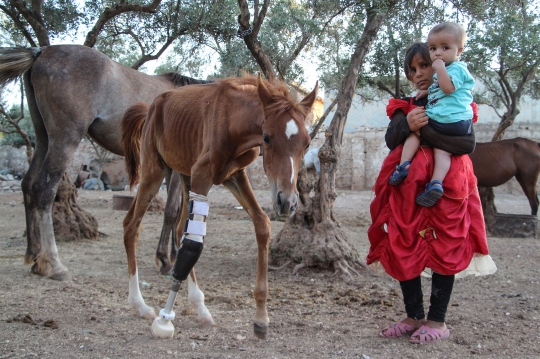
<point>407,238</point>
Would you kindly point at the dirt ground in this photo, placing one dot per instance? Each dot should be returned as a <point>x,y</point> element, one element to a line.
<point>312,314</point>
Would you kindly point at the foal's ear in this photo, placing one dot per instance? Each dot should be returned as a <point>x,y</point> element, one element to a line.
<point>264,94</point>
<point>308,101</point>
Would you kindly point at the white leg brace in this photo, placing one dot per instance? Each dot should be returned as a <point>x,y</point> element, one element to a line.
<point>195,228</point>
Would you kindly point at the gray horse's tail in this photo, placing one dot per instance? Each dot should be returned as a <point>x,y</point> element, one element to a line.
<point>15,61</point>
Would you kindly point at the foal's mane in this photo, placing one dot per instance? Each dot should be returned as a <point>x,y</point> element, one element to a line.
<point>282,97</point>
<point>181,80</point>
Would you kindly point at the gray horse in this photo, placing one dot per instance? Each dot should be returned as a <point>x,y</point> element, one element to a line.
<point>73,90</point>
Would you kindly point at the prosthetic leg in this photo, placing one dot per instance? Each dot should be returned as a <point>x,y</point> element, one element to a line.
<point>191,247</point>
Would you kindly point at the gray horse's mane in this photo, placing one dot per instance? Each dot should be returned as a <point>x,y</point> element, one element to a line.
<point>181,80</point>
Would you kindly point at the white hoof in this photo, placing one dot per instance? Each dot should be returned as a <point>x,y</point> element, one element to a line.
<point>150,315</point>
<point>206,322</point>
<point>162,329</point>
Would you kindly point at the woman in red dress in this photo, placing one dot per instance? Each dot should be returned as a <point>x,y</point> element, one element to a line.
<point>447,240</point>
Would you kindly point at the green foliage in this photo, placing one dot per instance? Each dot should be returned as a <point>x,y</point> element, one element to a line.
<point>14,139</point>
<point>192,36</point>
<point>61,18</point>
<point>212,44</point>
<point>235,59</point>
<point>504,53</point>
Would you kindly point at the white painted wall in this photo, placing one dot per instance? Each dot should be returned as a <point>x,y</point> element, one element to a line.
<point>374,114</point>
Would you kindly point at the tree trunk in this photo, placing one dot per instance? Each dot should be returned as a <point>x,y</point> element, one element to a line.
<point>71,222</point>
<point>507,120</point>
<point>487,197</point>
<point>313,237</point>
<point>250,35</point>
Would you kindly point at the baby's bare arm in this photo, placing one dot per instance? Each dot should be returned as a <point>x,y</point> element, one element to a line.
<point>445,81</point>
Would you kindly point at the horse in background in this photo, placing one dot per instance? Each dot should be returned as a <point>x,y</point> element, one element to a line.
<point>495,163</point>
<point>212,133</point>
<point>311,160</point>
<point>73,90</point>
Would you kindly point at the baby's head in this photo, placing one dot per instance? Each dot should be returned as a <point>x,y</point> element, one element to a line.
<point>446,42</point>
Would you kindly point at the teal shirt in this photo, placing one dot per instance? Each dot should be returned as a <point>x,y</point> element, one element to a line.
<point>455,107</point>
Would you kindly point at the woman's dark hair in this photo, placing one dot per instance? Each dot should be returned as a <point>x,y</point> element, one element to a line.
<point>419,48</point>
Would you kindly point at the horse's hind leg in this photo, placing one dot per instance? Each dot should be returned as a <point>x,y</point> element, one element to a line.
<point>529,188</point>
<point>41,186</point>
<point>33,235</point>
<point>44,190</point>
<point>170,216</point>
<point>148,187</point>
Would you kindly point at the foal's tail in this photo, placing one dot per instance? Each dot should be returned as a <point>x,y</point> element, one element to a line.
<point>131,126</point>
<point>15,61</point>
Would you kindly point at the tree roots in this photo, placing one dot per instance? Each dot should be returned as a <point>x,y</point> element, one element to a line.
<point>323,247</point>
<point>71,222</point>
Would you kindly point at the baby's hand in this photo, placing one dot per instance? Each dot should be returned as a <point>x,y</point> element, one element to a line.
<point>421,94</point>
<point>438,64</point>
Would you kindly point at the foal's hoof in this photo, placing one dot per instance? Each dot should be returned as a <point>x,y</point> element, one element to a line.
<point>260,330</point>
<point>150,315</point>
<point>206,322</point>
<point>62,276</point>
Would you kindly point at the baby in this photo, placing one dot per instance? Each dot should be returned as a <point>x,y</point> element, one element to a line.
<point>449,106</point>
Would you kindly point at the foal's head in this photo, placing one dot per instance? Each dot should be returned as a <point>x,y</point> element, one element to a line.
<point>284,140</point>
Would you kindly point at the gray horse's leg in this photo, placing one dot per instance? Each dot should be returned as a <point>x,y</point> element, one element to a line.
<point>173,209</point>
<point>171,213</point>
<point>67,135</point>
<point>33,235</point>
<point>44,189</point>
<point>182,215</point>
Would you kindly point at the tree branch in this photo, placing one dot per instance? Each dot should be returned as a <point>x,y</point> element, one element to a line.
<point>110,13</point>
<point>18,23</point>
<point>321,120</point>
<point>34,18</point>
<point>149,57</point>
<point>250,39</point>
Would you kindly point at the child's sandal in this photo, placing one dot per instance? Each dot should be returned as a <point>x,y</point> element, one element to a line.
<point>434,191</point>
<point>400,173</point>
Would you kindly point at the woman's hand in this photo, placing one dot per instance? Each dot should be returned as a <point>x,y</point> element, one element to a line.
<point>417,118</point>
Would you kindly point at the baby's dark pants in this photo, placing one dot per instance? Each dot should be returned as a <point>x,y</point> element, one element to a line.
<point>441,289</point>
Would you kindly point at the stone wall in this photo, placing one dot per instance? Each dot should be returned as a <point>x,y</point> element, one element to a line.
<point>363,152</point>
<point>361,158</point>
<point>15,160</point>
